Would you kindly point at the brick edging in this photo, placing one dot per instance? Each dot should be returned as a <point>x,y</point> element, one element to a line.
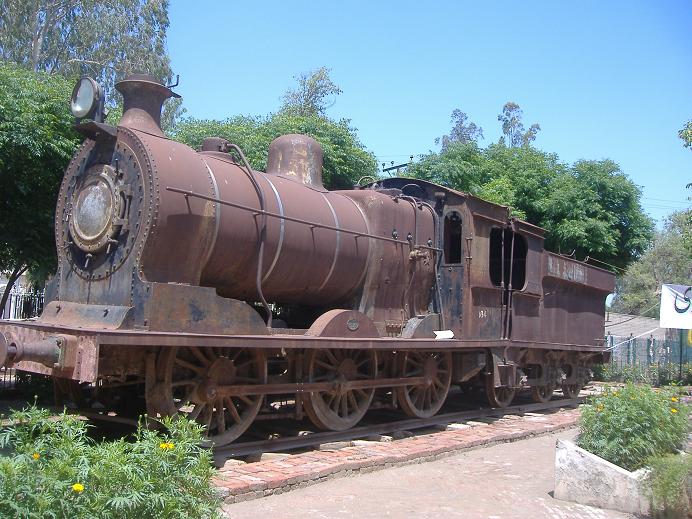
<point>254,480</point>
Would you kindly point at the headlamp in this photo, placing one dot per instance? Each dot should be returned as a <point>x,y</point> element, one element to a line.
<point>86,98</point>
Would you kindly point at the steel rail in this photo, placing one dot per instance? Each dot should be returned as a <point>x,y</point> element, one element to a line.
<point>311,440</point>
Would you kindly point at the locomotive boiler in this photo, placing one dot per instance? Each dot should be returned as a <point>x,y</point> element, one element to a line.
<point>187,282</point>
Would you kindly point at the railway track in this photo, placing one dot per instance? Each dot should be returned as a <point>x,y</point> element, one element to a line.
<point>295,440</point>
<point>247,448</point>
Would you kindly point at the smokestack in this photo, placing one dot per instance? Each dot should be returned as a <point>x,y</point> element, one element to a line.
<point>143,99</point>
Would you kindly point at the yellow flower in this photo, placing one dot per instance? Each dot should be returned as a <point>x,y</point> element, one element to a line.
<point>170,445</point>
<point>616,393</point>
<point>166,446</point>
<point>36,455</point>
<point>673,399</point>
<point>599,407</point>
<point>78,487</point>
<point>673,410</point>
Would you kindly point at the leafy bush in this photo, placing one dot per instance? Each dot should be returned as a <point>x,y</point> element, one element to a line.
<point>55,470</point>
<point>630,425</point>
<point>670,485</point>
<point>654,374</point>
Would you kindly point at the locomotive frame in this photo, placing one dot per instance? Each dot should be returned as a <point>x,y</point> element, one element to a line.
<point>187,282</point>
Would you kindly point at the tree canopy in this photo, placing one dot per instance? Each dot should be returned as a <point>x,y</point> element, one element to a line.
<point>106,40</point>
<point>590,208</point>
<point>345,158</point>
<point>36,143</point>
<point>312,94</point>
<point>513,130</point>
<point>667,260</point>
<point>463,131</point>
<point>685,134</point>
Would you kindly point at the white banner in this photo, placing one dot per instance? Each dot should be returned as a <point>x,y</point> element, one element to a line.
<point>676,307</point>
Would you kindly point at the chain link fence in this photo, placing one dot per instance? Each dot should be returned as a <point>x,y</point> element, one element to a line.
<point>649,360</point>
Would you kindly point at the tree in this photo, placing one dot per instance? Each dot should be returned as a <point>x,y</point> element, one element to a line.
<point>105,40</point>
<point>528,174</point>
<point>668,260</point>
<point>513,127</point>
<point>312,95</point>
<point>590,208</point>
<point>461,131</point>
<point>595,210</point>
<point>457,166</point>
<point>345,158</point>
<point>685,134</point>
<point>36,143</point>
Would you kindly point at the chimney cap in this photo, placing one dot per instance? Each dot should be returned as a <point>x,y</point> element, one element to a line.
<point>146,79</point>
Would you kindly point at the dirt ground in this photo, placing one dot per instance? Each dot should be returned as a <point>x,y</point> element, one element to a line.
<point>506,481</point>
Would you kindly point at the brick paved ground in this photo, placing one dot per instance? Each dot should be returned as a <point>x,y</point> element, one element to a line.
<point>503,481</point>
<point>241,482</point>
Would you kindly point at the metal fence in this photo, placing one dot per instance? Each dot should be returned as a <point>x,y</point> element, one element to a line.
<point>7,378</point>
<point>23,305</point>
<point>20,305</point>
<point>648,359</point>
<point>647,351</point>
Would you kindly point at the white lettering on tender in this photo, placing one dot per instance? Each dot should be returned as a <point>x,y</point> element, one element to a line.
<point>566,270</point>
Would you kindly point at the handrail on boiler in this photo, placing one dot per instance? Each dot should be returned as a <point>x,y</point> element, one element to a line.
<point>260,212</point>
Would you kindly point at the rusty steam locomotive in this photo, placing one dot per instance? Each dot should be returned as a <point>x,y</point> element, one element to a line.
<point>189,283</point>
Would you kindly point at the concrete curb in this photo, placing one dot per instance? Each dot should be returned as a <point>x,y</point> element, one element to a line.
<point>237,483</point>
<point>584,478</point>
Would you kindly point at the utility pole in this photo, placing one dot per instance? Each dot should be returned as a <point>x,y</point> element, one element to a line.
<point>397,167</point>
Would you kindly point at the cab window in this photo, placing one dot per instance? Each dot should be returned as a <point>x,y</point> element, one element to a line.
<point>514,264</point>
<point>452,238</point>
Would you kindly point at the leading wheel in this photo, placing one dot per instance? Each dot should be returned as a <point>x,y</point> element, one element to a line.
<point>424,400</point>
<point>190,381</point>
<point>340,407</point>
<point>498,396</point>
<point>542,394</point>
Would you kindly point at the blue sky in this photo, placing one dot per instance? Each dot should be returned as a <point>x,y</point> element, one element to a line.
<point>603,79</point>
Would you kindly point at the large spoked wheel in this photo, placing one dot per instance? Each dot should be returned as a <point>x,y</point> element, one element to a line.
<point>425,400</point>
<point>340,407</point>
<point>191,381</point>
<point>571,390</point>
<point>542,394</point>
<point>498,396</point>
